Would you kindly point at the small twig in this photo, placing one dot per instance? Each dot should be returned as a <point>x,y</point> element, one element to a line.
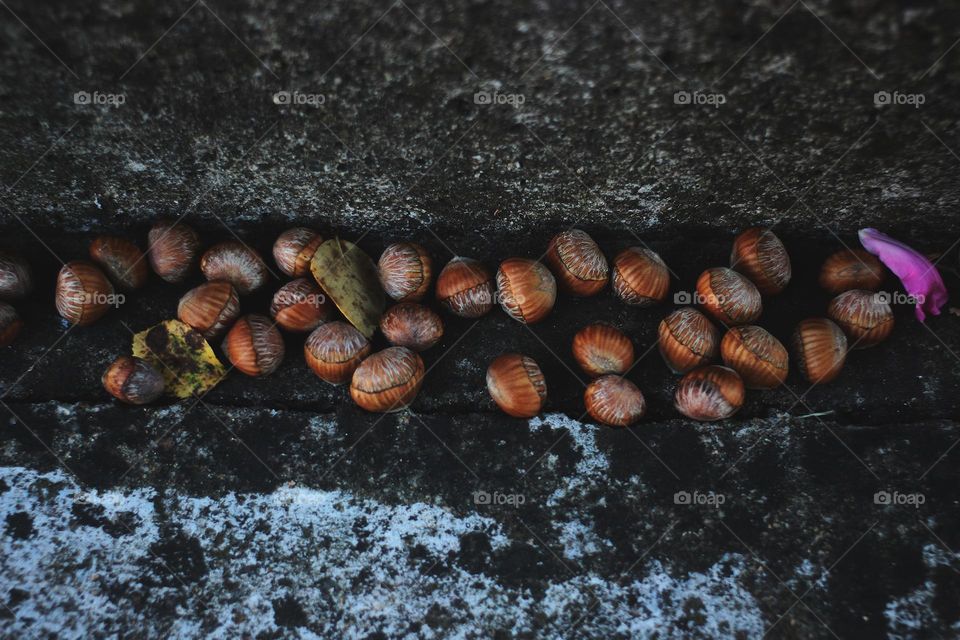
<point>816,415</point>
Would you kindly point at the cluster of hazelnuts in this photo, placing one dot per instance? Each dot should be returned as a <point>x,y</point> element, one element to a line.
<point>389,380</point>
<point>16,282</point>
<point>688,339</point>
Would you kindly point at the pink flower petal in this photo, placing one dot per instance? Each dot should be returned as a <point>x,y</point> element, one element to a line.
<point>919,276</point>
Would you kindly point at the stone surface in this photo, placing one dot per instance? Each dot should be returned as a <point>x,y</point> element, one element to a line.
<point>275,508</point>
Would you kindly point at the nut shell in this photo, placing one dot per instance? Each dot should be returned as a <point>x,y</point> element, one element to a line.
<point>760,359</point>
<point>334,351</point>
<point>614,401</point>
<point>578,263</point>
<point>133,380</point>
<point>10,324</point>
<point>300,306</point>
<point>465,288</point>
<point>83,293</point>
<point>640,277</point>
<point>254,345</point>
<point>728,296</point>
<point>411,325</point>
<point>236,263</point>
<point>293,250</point>
<point>852,269</point>
<point>16,277</point>
<point>405,271</point>
<point>122,260</point>
<point>517,385</point>
<point>759,255</point>
<point>527,289</point>
<point>172,248</point>
<point>210,308</point>
<point>864,317</point>
<point>687,340</point>
<point>388,380</point>
<point>602,349</point>
<point>820,348</point>
<point>709,393</point>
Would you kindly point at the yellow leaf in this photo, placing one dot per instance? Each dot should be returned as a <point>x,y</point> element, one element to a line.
<point>349,277</point>
<point>186,361</point>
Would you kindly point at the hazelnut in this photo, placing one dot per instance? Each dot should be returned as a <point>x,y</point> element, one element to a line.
<point>122,260</point>
<point>236,263</point>
<point>821,349</point>
<point>405,271</point>
<point>294,249</point>
<point>728,296</point>
<point>16,277</point>
<point>411,325</point>
<point>210,308</point>
<point>759,255</point>
<point>517,385</point>
<point>334,350</point>
<point>600,349</point>
<point>709,393</point>
<point>133,380</point>
<point>759,358</point>
<point>172,248</point>
<point>387,381</point>
<point>851,269</point>
<point>640,277</point>
<point>84,294</point>
<point>863,315</point>
<point>577,262</point>
<point>687,340</point>
<point>10,324</point>
<point>254,346</point>
<point>614,401</point>
<point>465,288</point>
<point>300,306</point>
<point>527,289</point>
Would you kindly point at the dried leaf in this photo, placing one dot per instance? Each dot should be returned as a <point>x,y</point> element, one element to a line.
<point>180,353</point>
<point>349,277</point>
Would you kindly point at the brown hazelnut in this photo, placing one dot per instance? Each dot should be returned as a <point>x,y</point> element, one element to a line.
<point>10,324</point>
<point>411,325</point>
<point>254,346</point>
<point>405,271</point>
<point>133,380</point>
<point>687,340</point>
<point>517,385</point>
<point>84,294</point>
<point>759,255</point>
<point>821,349</point>
<point>465,288</point>
<point>577,262</point>
<point>601,349</point>
<point>863,315</point>
<point>236,263</point>
<point>614,401</point>
<point>122,260</point>
<point>527,289</point>
<point>728,296</point>
<point>294,249</point>
<point>16,277</point>
<point>300,306</point>
<point>640,277</point>
<point>172,248</point>
<point>851,269</point>
<point>334,351</point>
<point>210,308</point>
<point>387,381</point>
<point>709,393</point>
<point>759,358</point>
